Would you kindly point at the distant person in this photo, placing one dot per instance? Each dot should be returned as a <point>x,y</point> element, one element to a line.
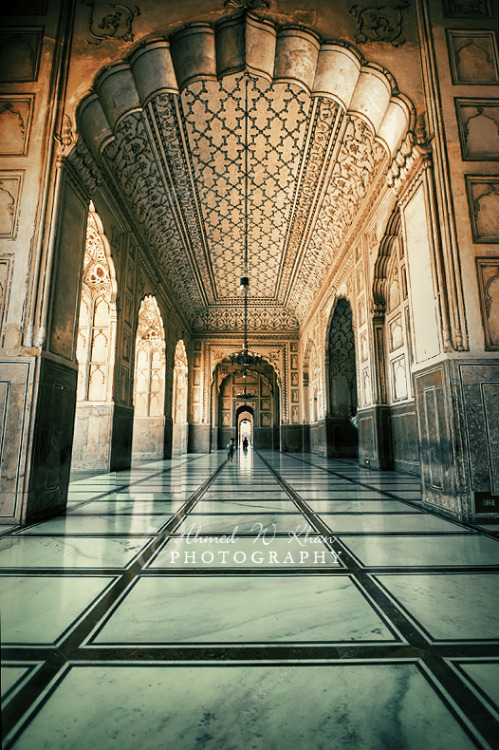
<point>245,444</point>
<point>231,447</point>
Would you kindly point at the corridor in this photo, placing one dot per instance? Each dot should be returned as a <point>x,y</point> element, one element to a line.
<point>278,601</point>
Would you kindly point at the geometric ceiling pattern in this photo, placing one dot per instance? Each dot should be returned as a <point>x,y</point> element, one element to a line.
<point>177,160</point>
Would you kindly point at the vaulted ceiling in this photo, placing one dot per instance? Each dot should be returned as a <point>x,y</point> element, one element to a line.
<point>168,128</point>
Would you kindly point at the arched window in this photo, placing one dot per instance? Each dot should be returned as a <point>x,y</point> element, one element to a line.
<point>180,384</point>
<point>97,311</point>
<point>149,388</point>
<point>397,326</point>
<point>342,363</point>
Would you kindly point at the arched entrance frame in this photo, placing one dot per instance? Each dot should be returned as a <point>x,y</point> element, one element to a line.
<point>180,399</point>
<point>263,381</point>
<point>341,429</point>
<point>96,352</point>
<point>392,417</point>
<point>245,414</point>
<point>149,382</point>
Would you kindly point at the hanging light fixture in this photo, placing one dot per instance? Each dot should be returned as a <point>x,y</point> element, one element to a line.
<point>244,357</point>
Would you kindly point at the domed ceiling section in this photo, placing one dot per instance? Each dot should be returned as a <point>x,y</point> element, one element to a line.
<point>169,130</point>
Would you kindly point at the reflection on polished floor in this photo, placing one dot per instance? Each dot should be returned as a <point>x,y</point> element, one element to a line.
<point>281,601</point>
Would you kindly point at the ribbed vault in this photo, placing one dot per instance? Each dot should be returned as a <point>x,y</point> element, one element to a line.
<point>167,129</point>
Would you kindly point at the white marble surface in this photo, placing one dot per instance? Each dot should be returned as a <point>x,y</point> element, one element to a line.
<point>434,551</point>
<point>392,524</point>
<point>486,677</point>
<point>11,675</point>
<point>351,494</point>
<point>74,525</point>
<point>254,505</point>
<point>38,609</point>
<point>133,507</point>
<point>244,523</point>
<point>361,506</point>
<point>69,552</point>
<point>449,606</point>
<point>275,609</point>
<point>245,708</point>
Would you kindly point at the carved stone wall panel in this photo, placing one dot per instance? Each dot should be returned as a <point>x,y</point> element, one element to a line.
<point>10,198</point>
<point>473,56</point>
<point>15,124</point>
<point>398,377</point>
<point>20,53</point>
<point>4,288</point>
<point>478,121</point>
<point>26,8</point>
<point>488,284</point>
<point>467,8</point>
<point>483,200</point>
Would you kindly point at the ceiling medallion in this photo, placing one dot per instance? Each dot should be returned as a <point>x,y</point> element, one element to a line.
<point>244,357</point>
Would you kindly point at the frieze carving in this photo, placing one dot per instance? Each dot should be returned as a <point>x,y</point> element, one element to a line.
<point>183,184</point>
<point>135,169</point>
<point>81,162</point>
<point>269,317</point>
<point>247,4</point>
<point>110,21</point>
<point>324,134</point>
<point>356,168</point>
<point>380,23</point>
<point>414,150</point>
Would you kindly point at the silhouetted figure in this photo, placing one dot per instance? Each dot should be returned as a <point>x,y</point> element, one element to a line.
<point>245,444</point>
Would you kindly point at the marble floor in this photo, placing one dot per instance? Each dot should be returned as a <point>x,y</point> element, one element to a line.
<point>277,602</point>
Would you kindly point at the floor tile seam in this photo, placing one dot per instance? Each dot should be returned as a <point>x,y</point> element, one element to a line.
<point>461,651</point>
<point>22,708</point>
<point>455,693</point>
<point>53,572</point>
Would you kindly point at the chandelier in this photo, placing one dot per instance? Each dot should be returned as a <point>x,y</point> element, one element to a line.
<point>244,357</point>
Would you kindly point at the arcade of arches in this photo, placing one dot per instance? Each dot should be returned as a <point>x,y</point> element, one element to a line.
<point>372,205</point>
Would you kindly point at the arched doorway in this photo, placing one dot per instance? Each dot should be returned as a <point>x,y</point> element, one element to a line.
<point>180,395</point>
<point>342,433</point>
<point>245,425</point>
<point>149,383</point>
<point>95,353</point>
<point>255,393</point>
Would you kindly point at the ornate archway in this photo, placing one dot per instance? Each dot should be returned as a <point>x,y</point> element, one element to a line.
<point>149,382</point>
